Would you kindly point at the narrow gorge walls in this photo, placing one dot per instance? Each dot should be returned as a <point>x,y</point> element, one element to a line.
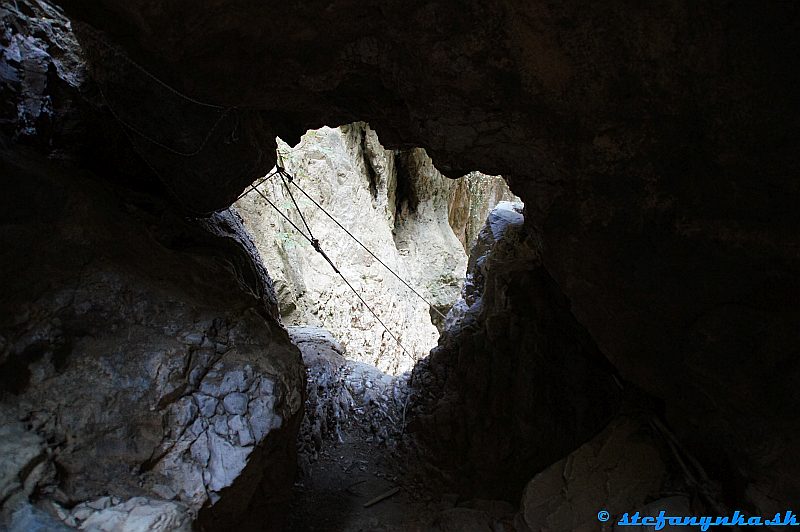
<point>401,208</point>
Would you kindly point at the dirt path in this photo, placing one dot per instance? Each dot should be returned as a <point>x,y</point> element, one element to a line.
<point>352,449</point>
<point>345,477</point>
<point>349,446</point>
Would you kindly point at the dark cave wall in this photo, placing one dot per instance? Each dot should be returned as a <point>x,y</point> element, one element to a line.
<point>655,147</point>
<point>129,336</point>
<point>141,353</point>
<point>515,383</point>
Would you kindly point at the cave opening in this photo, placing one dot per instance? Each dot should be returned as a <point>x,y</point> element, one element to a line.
<point>353,448</point>
<point>630,347</point>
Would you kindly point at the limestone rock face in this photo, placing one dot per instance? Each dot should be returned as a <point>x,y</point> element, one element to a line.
<point>399,206</point>
<point>41,70</point>
<point>138,513</point>
<point>473,198</point>
<point>331,169</point>
<point>142,358</point>
<point>618,471</point>
<point>422,232</point>
<point>22,450</point>
<point>497,370</point>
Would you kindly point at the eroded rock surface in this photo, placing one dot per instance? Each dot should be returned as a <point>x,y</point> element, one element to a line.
<point>142,358</point>
<point>473,198</point>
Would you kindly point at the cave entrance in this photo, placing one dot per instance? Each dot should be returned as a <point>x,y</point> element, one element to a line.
<point>418,222</point>
<point>360,342</point>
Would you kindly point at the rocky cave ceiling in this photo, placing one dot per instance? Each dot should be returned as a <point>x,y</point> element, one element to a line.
<point>654,145</point>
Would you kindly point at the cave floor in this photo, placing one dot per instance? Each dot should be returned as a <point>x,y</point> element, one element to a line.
<point>353,447</point>
<point>349,474</point>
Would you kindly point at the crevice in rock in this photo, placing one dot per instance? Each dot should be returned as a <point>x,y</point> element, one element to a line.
<point>406,200</point>
<point>371,175</point>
